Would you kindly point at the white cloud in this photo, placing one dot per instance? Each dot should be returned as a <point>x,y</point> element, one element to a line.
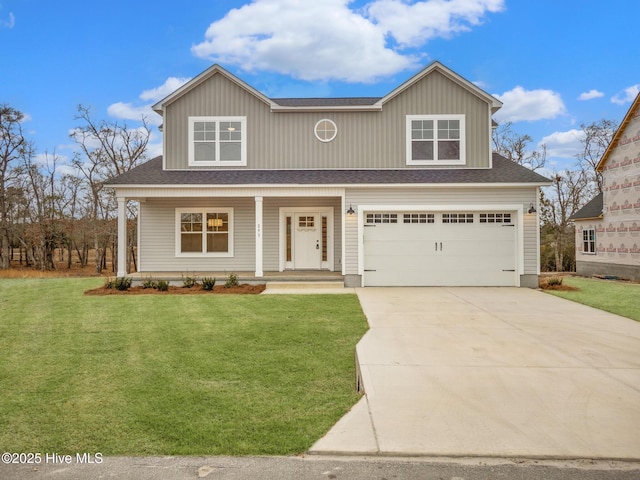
<point>128,111</point>
<point>563,144</point>
<point>627,95</point>
<point>590,95</point>
<point>529,105</point>
<point>414,24</point>
<point>168,87</point>
<point>330,41</point>
<point>10,23</point>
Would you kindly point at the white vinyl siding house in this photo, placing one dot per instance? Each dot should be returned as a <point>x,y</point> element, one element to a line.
<point>396,190</point>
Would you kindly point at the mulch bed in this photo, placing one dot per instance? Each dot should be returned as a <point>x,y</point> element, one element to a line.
<point>244,289</point>
<point>563,288</point>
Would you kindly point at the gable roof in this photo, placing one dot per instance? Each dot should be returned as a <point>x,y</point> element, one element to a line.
<point>591,210</point>
<point>208,73</point>
<point>616,137</point>
<point>504,171</point>
<point>325,104</point>
<point>451,75</point>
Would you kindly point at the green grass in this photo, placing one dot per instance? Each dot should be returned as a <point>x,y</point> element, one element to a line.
<point>171,375</point>
<point>615,297</point>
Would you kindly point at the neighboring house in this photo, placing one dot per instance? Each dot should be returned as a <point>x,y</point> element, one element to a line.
<point>398,190</point>
<point>608,227</point>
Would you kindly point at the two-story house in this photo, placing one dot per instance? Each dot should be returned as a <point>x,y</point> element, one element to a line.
<point>398,190</point>
<point>608,227</point>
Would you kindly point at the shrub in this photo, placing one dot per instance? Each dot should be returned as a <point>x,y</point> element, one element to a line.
<point>208,283</point>
<point>122,283</point>
<point>109,283</point>
<point>232,281</point>
<point>162,285</point>
<point>188,282</point>
<point>553,281</point>
<point>148,283</point>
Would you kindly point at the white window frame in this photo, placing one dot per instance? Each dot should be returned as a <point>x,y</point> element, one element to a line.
<point>321,134</point>
<point>218,162</point>
<point>587,252</point>
<point>203,211</point>
<point>409,141</point>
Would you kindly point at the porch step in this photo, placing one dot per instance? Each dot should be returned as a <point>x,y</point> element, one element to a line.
<point>328,287</point>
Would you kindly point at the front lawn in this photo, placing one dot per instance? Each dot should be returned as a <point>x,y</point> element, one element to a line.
<point>171,375</point>
<point>615,297</point>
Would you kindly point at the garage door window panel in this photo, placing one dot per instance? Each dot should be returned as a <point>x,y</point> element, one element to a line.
<point>457,218</point>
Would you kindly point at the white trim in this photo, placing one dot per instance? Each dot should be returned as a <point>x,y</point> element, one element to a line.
<point>517,208</point>
<point>138,236</point>
<point>218,163</point>
<point>259,236</point>
<point>282,245</point>
<point>409,141</point>
<point>122,236</point>
<point>203,211</point>
<point>332,190</point>
<point>343,216</point>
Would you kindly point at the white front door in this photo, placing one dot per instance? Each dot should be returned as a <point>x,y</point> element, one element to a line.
<point>307,241</point>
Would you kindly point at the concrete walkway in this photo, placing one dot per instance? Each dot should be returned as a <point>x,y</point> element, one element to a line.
<point>495,372</point>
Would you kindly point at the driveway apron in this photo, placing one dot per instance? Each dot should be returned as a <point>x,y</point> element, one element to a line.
<point>504,372</point>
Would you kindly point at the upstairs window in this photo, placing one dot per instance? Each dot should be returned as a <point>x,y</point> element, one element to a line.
<point>217,141</point>
<point>435,140</point>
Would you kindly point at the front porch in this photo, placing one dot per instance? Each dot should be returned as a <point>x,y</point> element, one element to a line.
<point>260,238</point>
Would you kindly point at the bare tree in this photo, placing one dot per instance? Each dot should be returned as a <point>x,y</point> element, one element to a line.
<point>515,147</point>
<point>12,144</point>
<point>568,193</point>
<point>597,137</point>
<point>107,149</point>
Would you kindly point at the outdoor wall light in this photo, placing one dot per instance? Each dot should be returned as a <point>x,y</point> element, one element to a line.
<point>351,211</point>
<point>531,208</point>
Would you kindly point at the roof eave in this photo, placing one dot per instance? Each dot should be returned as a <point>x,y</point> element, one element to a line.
<point>328,108</point>
<point>616,136</point>
<point>463,82</point>
<point>208,73</point>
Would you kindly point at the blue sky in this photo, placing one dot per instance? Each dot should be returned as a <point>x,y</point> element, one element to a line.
<point>554,63</point>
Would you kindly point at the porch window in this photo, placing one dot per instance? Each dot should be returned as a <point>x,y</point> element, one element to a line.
<point>206,232</point>
<point>435,140</point>
<point>217,141</point>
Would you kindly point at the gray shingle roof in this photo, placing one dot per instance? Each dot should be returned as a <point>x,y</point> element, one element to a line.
<point>593,209</point>
<point>151,173</point>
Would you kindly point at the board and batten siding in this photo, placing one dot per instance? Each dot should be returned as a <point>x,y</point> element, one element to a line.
<point>450,196</point>
<point>286,140</point>
<point>157,233</point>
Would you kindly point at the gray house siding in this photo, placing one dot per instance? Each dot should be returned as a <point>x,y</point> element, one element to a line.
<point>369,140</point>
<point>158,231</point>
<point>449,197</point>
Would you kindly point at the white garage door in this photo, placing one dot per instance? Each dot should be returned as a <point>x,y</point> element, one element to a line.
<point>439,249</point>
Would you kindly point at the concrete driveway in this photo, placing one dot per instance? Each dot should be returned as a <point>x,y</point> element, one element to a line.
<point>492,372</point>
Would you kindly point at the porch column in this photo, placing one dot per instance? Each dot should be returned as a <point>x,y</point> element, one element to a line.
<point>122,237</point>
<point>259,272</point>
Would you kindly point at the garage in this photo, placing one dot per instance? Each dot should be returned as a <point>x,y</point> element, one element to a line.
<point>440,248</point>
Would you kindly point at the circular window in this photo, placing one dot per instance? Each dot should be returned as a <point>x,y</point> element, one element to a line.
<point>325,130</point>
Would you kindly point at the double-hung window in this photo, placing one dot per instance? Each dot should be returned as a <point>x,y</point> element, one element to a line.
<point>435,140</point>
<point>204,232</point>
<point>217,141</point>
<point>589,240</point>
